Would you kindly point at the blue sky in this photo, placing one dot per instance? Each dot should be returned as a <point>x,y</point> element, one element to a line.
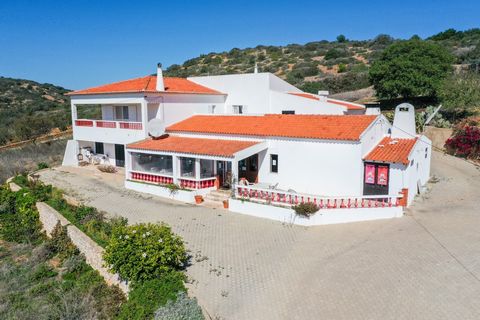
<point>79,44</point>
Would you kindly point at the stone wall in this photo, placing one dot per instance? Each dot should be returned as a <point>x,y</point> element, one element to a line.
<point>91,250</point>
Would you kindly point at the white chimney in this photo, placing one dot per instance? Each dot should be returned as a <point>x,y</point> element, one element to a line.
<point>323,94</point>
<point>160,84</point>
<point>256,68</point>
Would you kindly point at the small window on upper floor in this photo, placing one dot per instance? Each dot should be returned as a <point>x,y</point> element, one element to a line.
<point>274,163</point>
<point>288,111</point>
<point>121,113</point>
<point>211,109</point>
<point>238,109</point>
<point>404,109</point>
<point>426,153</point>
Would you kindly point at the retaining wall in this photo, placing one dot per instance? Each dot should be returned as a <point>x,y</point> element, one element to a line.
<point>91,250</point>
<point>321,217</point>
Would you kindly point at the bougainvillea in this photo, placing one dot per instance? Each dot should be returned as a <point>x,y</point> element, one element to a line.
<point>465,141</point>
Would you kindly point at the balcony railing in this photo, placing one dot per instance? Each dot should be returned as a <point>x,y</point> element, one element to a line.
<point>109,124</point>
<point>278,197</point>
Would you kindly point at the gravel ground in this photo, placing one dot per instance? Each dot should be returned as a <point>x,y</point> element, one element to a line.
<point>425,265</point>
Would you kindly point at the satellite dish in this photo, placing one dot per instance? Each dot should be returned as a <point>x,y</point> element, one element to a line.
<point>156,128</point>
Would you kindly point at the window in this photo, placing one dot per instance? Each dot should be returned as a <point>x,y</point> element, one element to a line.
<point>187,167</point>
<point>211,109</point>
<point>154,163</point>
<point>426,153</point>
<point>121,113</point>
<point>238,109</point>
<point>99,148</point>
<point>274,163</point>
<point>206,168</point>
<point>288,111</point>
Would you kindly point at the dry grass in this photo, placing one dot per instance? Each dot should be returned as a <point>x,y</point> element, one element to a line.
<point>107,168</point>
<point>28,157</point>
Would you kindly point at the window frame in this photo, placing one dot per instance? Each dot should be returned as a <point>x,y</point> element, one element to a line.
<point>273,167</point>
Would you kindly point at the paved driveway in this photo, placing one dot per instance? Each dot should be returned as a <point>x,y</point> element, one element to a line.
<point>425,265</point>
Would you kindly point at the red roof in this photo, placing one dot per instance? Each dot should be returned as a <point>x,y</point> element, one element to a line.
<point>148,84</point>
<point>211,147</point>
<point>336,127</point>
<point>392,150</point>
<point>348,105</point>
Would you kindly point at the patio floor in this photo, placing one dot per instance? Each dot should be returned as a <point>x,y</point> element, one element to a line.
<point>425,265</point>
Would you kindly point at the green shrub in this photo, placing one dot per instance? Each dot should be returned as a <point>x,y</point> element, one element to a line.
<point>306,209</point>
<point>144,251</point>
<point>60,242</point>
<point>184,308</point>
<point>42,165</point>
<point>18,217</point>
<point>148,296</point>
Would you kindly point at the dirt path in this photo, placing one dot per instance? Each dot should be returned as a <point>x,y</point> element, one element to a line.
<point>425,265</point>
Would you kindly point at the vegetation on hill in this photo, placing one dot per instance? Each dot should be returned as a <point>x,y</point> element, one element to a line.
<point>29,109</point>
<point>409,69</point>
<point>337,66</point>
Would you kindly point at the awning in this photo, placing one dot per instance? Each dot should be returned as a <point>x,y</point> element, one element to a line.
<point>199,146</point>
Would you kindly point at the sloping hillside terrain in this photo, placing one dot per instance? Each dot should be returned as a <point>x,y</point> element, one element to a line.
<point>337,66</point>
<point>29,109</point>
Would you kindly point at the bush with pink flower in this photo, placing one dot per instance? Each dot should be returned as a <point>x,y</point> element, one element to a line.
<point>465,141</point>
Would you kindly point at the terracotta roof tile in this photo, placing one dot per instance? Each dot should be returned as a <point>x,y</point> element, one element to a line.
<point>392,150</point>
<point>330,127</point>
<point>348,105</point>
<point>148,84</point>
<point>212,147</point>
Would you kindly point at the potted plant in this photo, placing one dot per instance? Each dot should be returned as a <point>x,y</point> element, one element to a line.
<point>198,199</point>
<point>225,204</point>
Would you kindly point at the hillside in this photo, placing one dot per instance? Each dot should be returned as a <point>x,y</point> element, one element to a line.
<point>336,66</point>
<point>29,109</point>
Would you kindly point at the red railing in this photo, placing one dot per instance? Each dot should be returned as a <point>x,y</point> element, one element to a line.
<point>151,178</point>
<point>130,125</point>
<point>84,123</point>
<point>105,124</point>
<point>109,124</point>
<point>197,184</point>
<point>291,199</point>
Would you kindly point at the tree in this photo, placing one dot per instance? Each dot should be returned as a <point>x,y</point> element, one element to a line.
<point>341,38</point>
<point>412,68</point>
<point>460,94</point>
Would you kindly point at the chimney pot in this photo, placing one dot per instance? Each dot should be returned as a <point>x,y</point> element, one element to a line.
<point>160,84</point>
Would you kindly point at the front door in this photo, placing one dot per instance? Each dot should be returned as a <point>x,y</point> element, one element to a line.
<point>248,169</point>
<point>375,179</point>
<point>224,173</point>
<point>120,155</point>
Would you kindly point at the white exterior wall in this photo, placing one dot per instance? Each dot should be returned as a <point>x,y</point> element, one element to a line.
<point>178,107</point>
<point>321,217</point>
<point>283,101</point>
<point>250,90</point>
<point>416,174</point>
<point>327,168</point>
<point>374,134</point>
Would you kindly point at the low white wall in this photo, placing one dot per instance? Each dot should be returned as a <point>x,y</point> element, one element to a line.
<point>156,190</point>
<point>91,250</point>
<point>70,155</point>
<point>322,217</point>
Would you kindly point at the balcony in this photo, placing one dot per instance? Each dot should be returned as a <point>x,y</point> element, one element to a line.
<point>107,131</point>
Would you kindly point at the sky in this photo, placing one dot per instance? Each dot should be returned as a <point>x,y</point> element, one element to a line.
<point>80,44</point>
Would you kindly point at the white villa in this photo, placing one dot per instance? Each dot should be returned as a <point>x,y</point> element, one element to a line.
<point>268,142</point>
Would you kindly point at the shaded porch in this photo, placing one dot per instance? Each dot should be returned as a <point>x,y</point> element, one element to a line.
<point>192,163</point>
